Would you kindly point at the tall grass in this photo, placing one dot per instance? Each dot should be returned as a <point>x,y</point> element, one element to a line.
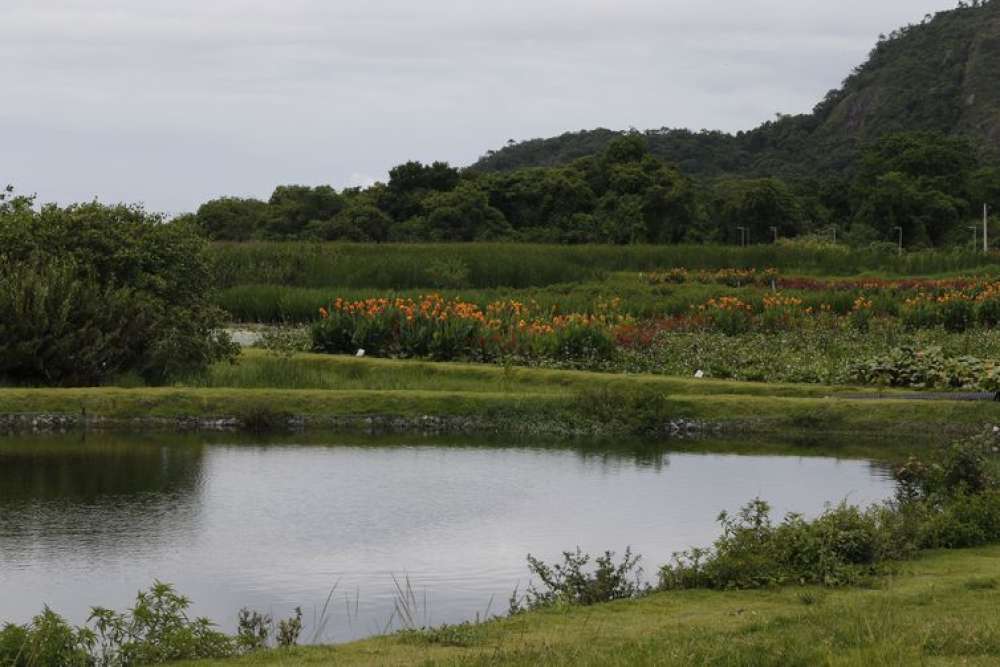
<point>398,266</point>
<point>494,265</point>
<point>277,303</point>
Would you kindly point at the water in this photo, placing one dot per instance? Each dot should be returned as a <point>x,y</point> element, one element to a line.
<point>89,522</point>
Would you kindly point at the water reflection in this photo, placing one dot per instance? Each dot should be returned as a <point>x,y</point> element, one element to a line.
<point>83,469</point>
<point>79,499</point>
<point>89,521</point>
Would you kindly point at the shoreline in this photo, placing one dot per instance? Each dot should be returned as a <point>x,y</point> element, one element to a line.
<point>309,392</point>
<point>45,423</point>
<point>514,424</point>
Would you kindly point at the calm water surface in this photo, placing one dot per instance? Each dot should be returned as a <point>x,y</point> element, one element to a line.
<point>88,522</point>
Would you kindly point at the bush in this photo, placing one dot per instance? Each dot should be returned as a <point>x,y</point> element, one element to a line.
<point>844,545</point>
<point>571,583</point>
<point>88,292</point>
<point>950,500</point>
<point>156,630</point>
<point>254,630</point>
<point>48,641</point>
<point>967,467</point>
<point>968,520</point>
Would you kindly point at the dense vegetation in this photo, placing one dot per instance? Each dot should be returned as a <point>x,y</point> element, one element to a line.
<point>90,292</point>
<point>938,75</point>
<point>928,185</point>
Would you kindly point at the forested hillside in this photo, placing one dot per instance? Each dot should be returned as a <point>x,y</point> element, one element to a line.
<point>907,146</point>
<point>942,75</point>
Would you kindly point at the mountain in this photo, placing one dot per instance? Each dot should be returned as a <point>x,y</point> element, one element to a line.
<point>942,74</point>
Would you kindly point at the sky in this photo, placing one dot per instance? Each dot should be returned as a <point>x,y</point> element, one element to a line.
<point>170,103</point>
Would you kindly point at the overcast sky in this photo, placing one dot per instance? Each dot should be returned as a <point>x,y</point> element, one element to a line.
<point>173,102</point>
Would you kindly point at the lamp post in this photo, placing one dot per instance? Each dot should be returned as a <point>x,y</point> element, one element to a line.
<point>743,235</point>
<point>900,230</point>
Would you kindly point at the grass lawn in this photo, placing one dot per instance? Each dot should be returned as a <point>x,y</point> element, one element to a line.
<point>938,610</point>
<point>319,386</point>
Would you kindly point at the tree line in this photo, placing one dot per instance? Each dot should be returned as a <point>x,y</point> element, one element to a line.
<point>928,184</point>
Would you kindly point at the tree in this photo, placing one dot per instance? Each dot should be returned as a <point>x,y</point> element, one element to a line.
<point>231,218</point>
<point>292,207</point>
<point>984,188</point>
<point>917,181</point>
<point>758,205</point>
<point>360,221</point>
<point>410,183</point>
<point>465,214</point>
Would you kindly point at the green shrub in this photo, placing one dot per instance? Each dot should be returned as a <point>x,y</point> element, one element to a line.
<point>948,500</point>
<point>963,468</point>
<point>289,629</point>
<point>845,545</point>
<point>156,630</point>
<point>89,292</point>
<point>572,583</point>
<point>254,630</point>
<point>48,641</point>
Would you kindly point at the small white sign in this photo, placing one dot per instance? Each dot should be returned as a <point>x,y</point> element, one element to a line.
<point>699,374</point>
<point>360,353</point>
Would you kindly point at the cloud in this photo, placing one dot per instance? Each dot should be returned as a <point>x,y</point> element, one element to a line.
<point>172,103</point>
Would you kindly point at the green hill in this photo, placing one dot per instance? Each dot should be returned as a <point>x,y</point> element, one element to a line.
<point>942,74</point>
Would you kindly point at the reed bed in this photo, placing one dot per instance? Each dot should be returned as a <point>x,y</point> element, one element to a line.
<point>495,265</point>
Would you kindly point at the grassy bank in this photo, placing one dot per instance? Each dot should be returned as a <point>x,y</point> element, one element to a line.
<point>319,387</point>
<point>938,610</point>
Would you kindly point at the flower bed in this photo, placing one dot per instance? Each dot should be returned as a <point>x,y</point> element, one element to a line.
<point>436,328</point>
